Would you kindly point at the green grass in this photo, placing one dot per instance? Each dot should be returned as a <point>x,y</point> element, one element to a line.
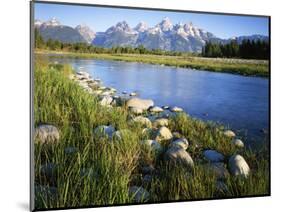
<point>101,172</point>
<point>234,66</point>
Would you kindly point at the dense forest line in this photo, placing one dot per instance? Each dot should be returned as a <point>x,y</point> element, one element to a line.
<point>246,50</point>
<point>88,48</point>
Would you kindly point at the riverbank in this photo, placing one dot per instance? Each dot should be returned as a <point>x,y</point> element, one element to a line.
<point>234,66</point>
<point>107,150</point>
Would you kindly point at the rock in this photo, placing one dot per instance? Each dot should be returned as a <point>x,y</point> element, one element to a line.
<point>181,142</point>
<point>138,194</point>
<point>148,132</point>
<point>142,121</point>
<point>155,146</point>
<point>106,100</point>
<point>155,109</point>
<point>133,94</point>
<point>148,169</point>
<point>238,166</point>
<point>163,134</point>
<point>104,130</point>
<point>238,143</point>
<point>218,169</point>
<point>213,156</point>
<point>70,150</point>
<point>121,134</point>
<point>229,133</point>
<point>178,155</point>
<point>83,74</point>
<point>165,107</point>
<point>176,109</point>
<point>136,111</point>
<point>46,133</point>
<point>160,122</point>
<point>143,104</point>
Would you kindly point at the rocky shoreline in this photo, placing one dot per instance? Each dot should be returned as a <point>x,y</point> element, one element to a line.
<point>155,123</point>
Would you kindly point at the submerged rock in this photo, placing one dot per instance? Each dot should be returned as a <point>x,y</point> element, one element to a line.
<point>181,142</point>
<point>104,130</point>
<point>238,166</point>
<point>143,104</point>
<point>213,156</point>
<point>178,155</point>
<point>46,133</point>
<point>138,194</point>
<point>163,134</point>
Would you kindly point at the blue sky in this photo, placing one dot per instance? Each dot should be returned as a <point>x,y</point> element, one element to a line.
<point>100,19</point>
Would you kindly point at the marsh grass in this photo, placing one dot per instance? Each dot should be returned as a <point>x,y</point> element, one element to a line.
<point>234,66</point>
<point>101,171</point>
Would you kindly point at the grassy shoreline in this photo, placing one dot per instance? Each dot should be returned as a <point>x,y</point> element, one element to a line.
<point>244,67</point>
<point>101,171</point>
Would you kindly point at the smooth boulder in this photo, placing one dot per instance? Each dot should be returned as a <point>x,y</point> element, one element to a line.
<point>213,156</point>
<point>238,166</point>
<point>154,145</point>
<point>229,133</point>
<point>46,133</point>
<point>104,130</point>
<point>160,122</point>
<point>176,109</point>
<point>238,143</point>
<point>181,142</point>
<point>106,100</point>
<point>143,121</point>
<point>177,155</point>
<point>143,104</point>
<point>163,134</point>
<point>155,109</point>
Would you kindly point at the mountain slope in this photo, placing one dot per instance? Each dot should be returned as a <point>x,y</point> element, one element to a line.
<point>52,29</point>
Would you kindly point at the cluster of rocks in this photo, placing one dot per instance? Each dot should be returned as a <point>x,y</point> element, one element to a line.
<point>155,122</point>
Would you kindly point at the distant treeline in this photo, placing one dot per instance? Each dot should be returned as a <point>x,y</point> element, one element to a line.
<point>88,48</point>
<point>258,49</point>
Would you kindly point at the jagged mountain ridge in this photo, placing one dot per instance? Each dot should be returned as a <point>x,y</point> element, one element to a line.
<point>184,37</point>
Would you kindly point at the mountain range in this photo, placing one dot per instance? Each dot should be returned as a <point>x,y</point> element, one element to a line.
<point>184,37</point>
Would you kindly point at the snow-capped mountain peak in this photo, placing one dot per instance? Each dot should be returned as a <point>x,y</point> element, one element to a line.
<point>141,27</point>
<point>165,24</point>
<point>86,32</point>
<point>52,22</point>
